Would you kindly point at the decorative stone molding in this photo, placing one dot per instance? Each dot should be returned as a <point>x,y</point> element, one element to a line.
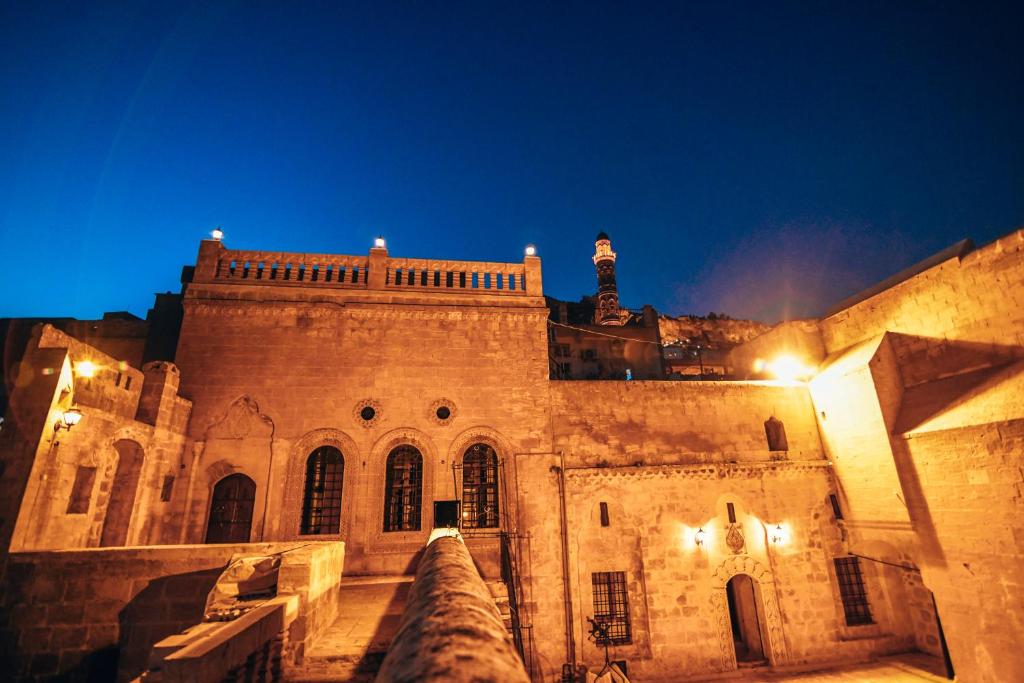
<point>708,471</point>
<point>480,434</point>
<point>436,411</point>
<point>295,481</point>
<point>734,539</point>
<point>362,414</point>
<point>764,580</point>
<point>377,540</point>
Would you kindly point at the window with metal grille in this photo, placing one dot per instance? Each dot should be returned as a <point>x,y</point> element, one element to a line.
<point>403,489</point>
<point>851,589</point>
<point>480,488</point>
<point>611,607</point>
<point>321,502</point>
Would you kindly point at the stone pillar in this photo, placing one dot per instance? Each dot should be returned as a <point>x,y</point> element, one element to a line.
<point>534,286</point>
<point>210,252</point>
<point>378,265</point>
<point>159,388</point>
<point>451,629</point>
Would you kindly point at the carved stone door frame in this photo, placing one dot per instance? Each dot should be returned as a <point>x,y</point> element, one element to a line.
<point>764,584</point>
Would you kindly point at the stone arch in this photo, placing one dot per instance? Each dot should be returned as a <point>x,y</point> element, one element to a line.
<point>502,447</point>
<point>124,491</point>
<point>764,586</point>
<point>296,478</point>
<point>377,462</point>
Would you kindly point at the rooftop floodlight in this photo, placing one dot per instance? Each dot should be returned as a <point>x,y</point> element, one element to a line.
<point>531,250</point>
<point>217,234</point>
<point>379,243</point>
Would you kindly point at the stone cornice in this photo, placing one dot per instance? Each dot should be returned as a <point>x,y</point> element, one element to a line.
<point>704,471</point>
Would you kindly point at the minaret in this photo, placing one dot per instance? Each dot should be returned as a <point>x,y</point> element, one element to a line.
<point>608,312</point>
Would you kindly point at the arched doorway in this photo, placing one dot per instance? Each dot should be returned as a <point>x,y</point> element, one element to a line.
<point>745,619</point>
<point>122,493</point>
<point>231,510</point>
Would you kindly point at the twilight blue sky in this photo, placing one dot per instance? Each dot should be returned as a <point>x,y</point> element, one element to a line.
<point>762,159</point>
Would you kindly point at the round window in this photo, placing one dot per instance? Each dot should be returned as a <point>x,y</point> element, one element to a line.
<point>367,413</point>
<point>444,412</point>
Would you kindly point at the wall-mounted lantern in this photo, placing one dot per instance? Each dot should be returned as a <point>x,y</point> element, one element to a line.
<point>85,368</point>
<point>778,535</point>
<point>531,250</point>
<point>700,537</point>
<point>217,234</point>
<point>379,243</point>
<point>68,419</point>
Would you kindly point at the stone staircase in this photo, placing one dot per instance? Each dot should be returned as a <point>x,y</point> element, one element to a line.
<point>352,649</point>
<point>370,613</point>
<point>499,591</point>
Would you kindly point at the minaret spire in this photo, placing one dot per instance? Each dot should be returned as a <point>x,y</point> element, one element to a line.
<point>608,312</point>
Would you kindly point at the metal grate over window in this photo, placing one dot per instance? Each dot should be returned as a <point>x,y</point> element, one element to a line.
<point>851,589</point>
<point>321,502</point>
<point>480,488</point>
<point>611,607</point>
<point>403,489</point>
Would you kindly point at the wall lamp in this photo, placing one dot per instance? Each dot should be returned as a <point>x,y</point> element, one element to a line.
<point>778,535</point>
<point>217,234</point>
<point>531,250</point>
<point>379,243</point>
<point>68,419</point>
<point>699,537</point>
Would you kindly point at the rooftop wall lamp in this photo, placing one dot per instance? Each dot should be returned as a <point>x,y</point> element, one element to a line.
<point>217,234</point>
<point>379,243</point>
<point>85,369</point>
<point>68,419</point>
<point>531,250</point>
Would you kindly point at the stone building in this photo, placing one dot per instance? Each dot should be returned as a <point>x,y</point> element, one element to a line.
<point>328,412</point>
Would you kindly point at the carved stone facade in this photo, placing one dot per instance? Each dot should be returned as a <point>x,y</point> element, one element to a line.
<point>909,430</point>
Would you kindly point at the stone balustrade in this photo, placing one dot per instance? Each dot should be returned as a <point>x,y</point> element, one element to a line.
<point>377,271</point>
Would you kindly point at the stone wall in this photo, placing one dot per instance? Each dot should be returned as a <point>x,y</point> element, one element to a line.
<point>654,422</point>
<point>44,463</point>
<point>978,298</point>
<point>94,614</point>
<point>277,371</point>
<point>678,613</point>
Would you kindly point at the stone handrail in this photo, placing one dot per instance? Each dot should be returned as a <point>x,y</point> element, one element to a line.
<point>451,630</point>
<point>377,271</point>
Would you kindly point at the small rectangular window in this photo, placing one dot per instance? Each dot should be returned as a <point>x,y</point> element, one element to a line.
<point>167,488</point>
<point>731,509</point>
<point>611,607</point>
<point>81,491</point>
<point>604,514</point>
<point>836,510</point>
<point>852,591</point>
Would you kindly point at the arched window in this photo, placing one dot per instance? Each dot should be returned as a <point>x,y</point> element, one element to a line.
<point>480,487</point>
<point>403,489</point>
<point>776,433</point>
<point>231,510</point>
<point>321,501</point>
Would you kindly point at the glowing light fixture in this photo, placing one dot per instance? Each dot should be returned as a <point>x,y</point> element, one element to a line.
<point>531,250</point>
<point>700,537</point>
<point>217,234</point>
<point>379,243</point>
<point>68,419</point>
<point>85,369</point>
<point>786,368</point>
<point>778,535</point>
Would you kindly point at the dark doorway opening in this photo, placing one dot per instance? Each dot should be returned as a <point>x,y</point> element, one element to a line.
<point>745,620</point>
<point>231,510</point>
<point>446,514</point>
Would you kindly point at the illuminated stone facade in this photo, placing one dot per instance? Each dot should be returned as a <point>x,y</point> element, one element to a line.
<point>633,502</point>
